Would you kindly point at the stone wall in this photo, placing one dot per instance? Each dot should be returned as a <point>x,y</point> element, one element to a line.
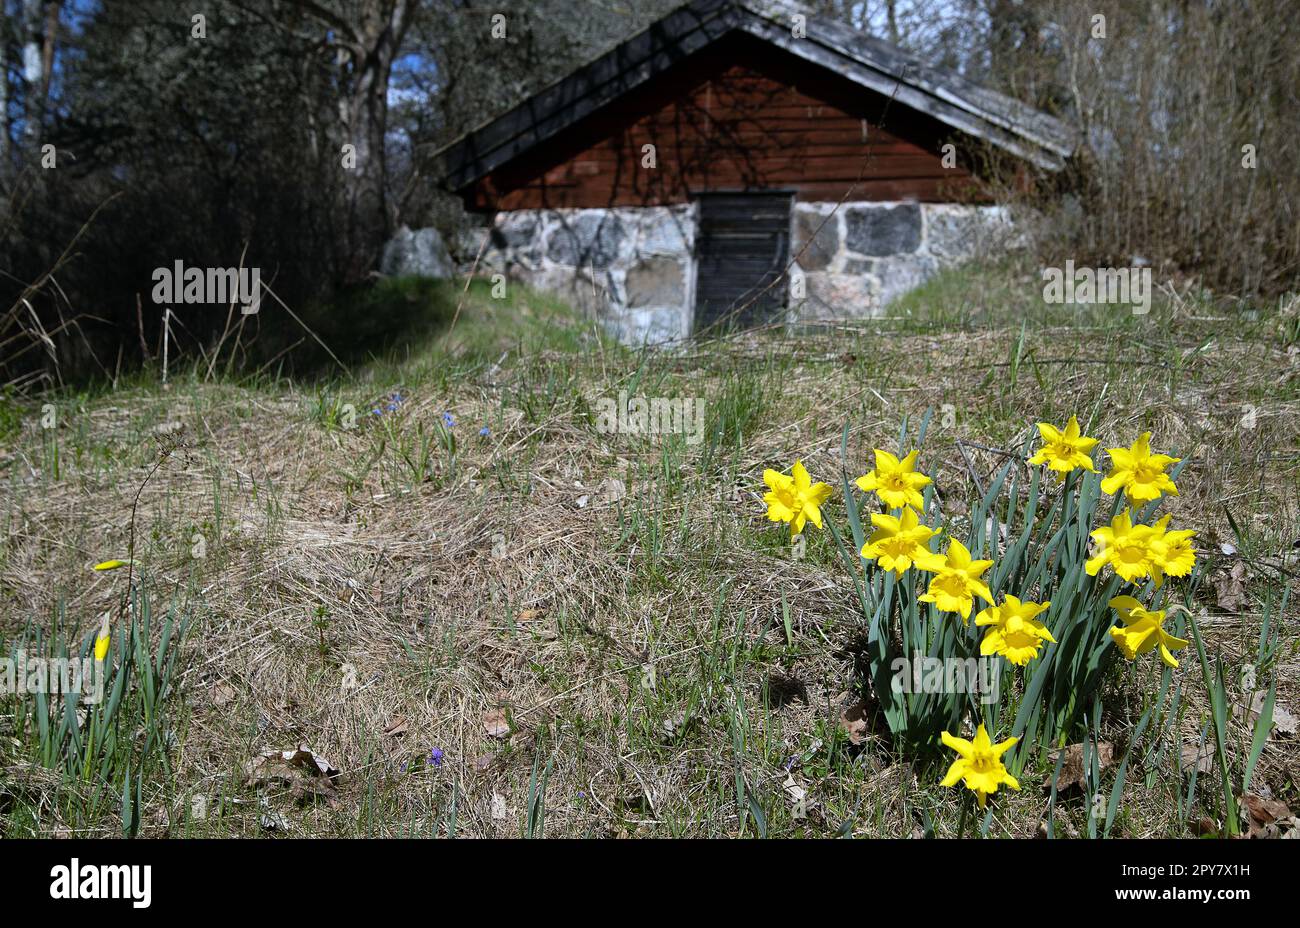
<point>633,267</point>
<point>857,259</point>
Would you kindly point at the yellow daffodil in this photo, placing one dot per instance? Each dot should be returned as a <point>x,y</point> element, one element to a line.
<point>1139,472</point>
<point>110,565</point>
<point>957,582</point>
<point>102,642</point>
<point>896,482</point>
<point>1171,552</point>
<point>1064,451</point>
<point>899,542</point>
<point>979,764</point>
<point>1015,633</point>
<point>1143,631</point>
<point>794,498</point>
<point>1125,547</point>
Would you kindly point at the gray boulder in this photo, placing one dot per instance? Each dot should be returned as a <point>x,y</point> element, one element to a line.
<point>419,253</point>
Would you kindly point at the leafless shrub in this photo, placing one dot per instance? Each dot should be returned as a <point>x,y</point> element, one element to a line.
<point>1190,127</point>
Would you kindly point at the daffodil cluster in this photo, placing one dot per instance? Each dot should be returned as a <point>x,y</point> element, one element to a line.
<point>1138,552</point>
<point>1018,630</point>
<point>901,542</point>
<point>1133,550</point>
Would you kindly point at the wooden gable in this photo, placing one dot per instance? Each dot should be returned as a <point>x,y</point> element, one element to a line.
<point>739,115</point>
<point>731,100</point>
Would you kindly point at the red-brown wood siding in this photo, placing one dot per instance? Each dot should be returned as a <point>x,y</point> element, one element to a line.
<point>738,116</point>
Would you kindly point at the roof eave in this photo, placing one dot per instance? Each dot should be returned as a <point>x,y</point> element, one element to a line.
<point>1045,153</point>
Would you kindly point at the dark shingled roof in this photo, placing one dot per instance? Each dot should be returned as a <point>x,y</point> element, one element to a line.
<point>870,62</point>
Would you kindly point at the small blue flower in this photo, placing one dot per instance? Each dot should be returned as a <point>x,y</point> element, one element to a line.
<point>485,431</point>
<point>435,757</point>
<point>376,411</point>
<point>448,421</point>
<point>392,407</point>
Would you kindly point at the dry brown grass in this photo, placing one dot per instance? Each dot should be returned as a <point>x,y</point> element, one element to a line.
<point>370,618</point>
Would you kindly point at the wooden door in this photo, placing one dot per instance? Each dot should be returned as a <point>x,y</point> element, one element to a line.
<point>742,248</point>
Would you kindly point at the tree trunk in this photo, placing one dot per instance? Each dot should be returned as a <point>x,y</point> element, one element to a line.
<point>364,186</point>
<point>4,98</point>
<point>47,51</point>
<point>31,62</point>
<point>368,45</point>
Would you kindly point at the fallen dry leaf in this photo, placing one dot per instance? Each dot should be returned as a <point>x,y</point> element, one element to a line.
<point>307,774</point>
<point>1288,828</point>
<point>1205,827</point>
<point>496,724</point>
<point>1284,721</point>
<point>1072,770</point>
<point>397,727</point>
<point>223,694</point>
<point>674,725</point>
<point>287,765</point>
<point>1201,757</point>
<point>1230,587</point>
<point>854,721</point>
<point>270,819</point>
<point>1267,816</point>
<point>529,615</point>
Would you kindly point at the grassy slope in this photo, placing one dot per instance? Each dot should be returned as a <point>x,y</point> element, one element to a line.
<point>402,575</point>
